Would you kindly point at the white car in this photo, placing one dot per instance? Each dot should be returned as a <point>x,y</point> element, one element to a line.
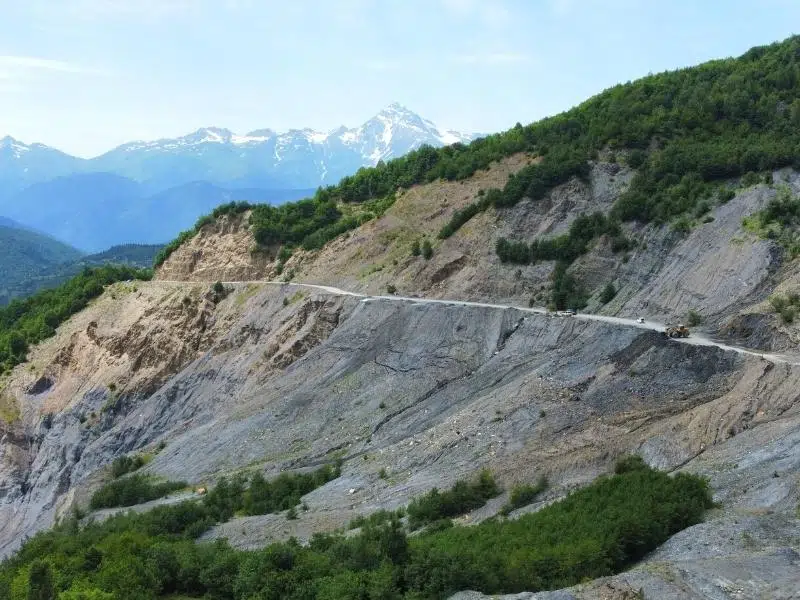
<point>640,320</point>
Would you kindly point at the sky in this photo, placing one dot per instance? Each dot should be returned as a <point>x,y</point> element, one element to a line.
<point>87,75</point>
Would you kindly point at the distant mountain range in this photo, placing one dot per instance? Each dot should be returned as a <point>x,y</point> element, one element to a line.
<point>93,211</point>
<point>146,192</point>
<point>31,261</point>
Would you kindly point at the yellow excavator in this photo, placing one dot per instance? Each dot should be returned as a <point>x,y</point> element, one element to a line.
<point>679,331</point>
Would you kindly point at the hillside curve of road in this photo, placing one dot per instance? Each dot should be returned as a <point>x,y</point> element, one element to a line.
<point>695,339</point>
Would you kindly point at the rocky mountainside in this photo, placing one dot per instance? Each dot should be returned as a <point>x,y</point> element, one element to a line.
<point>428,393</point>
<point>211,370</point>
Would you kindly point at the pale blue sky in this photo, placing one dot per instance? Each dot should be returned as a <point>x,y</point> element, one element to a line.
<point>86,75</point>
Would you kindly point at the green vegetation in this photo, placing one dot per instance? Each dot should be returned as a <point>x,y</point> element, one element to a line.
<point>779,221</point>
<point>566,248</point>
<point>693,318</point>
<point>415,248</point>
<point>28,321</point>
<point>26,257</point>
<point>284,492</point>
<point>596,531</point>
<point>685,132</point>
<point>127,464</point>
<point>132,490</point>
<point>786,306</point>
<point>31,261</point>
<point>608,294</point>
<point>40,586</point>
<point>377,518</point>
<point>524,494</point>
<point>461,498</point>
<point>427,249</point>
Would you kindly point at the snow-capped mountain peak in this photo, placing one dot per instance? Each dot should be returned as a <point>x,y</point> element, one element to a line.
<point>214,135</point>
<point>297,158</point>
<point>15,147</point>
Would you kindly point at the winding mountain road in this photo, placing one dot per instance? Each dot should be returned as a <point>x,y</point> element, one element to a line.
<point>695,339</point>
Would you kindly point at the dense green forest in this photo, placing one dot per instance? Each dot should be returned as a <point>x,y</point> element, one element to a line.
<point>28,321</point>
<point>24,271</point>
<point>684,131</point>
<point>595,531</point>
<point>25,255</point>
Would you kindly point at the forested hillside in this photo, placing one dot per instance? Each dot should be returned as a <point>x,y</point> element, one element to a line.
<point>594,532</point>
<point>22,273</point>
<point>685,131</point>
<point>25,255</point>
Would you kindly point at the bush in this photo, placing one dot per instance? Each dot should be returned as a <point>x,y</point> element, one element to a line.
<point>391,288</point>
<point>596,531</point>
<point>636,158</point>
<point>126,464</point>
<point>284,254</point>
<point>628,464</point>
<point>415,248</point>
<point>787,315</point>
<point>608,293</point>
<point>524,494</point>
<point>693,318</point>
<point>750,179</point>
<point>132,490</point>
<point>778,303</point>
<point>427,250</point>
<point>461,498</point>
<point>219,288</point>
<point>725,195</point>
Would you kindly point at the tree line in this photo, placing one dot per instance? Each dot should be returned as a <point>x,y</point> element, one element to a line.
<point>684,132</point>
<point>596,531</point>
<point>29,321</point>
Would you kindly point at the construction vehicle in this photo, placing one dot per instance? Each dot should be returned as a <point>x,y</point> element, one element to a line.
<point>681,331</point>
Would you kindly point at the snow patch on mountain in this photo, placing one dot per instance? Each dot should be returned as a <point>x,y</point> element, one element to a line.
<point>15,147</point>
<point>293,159</point>
<point>393,132</point>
